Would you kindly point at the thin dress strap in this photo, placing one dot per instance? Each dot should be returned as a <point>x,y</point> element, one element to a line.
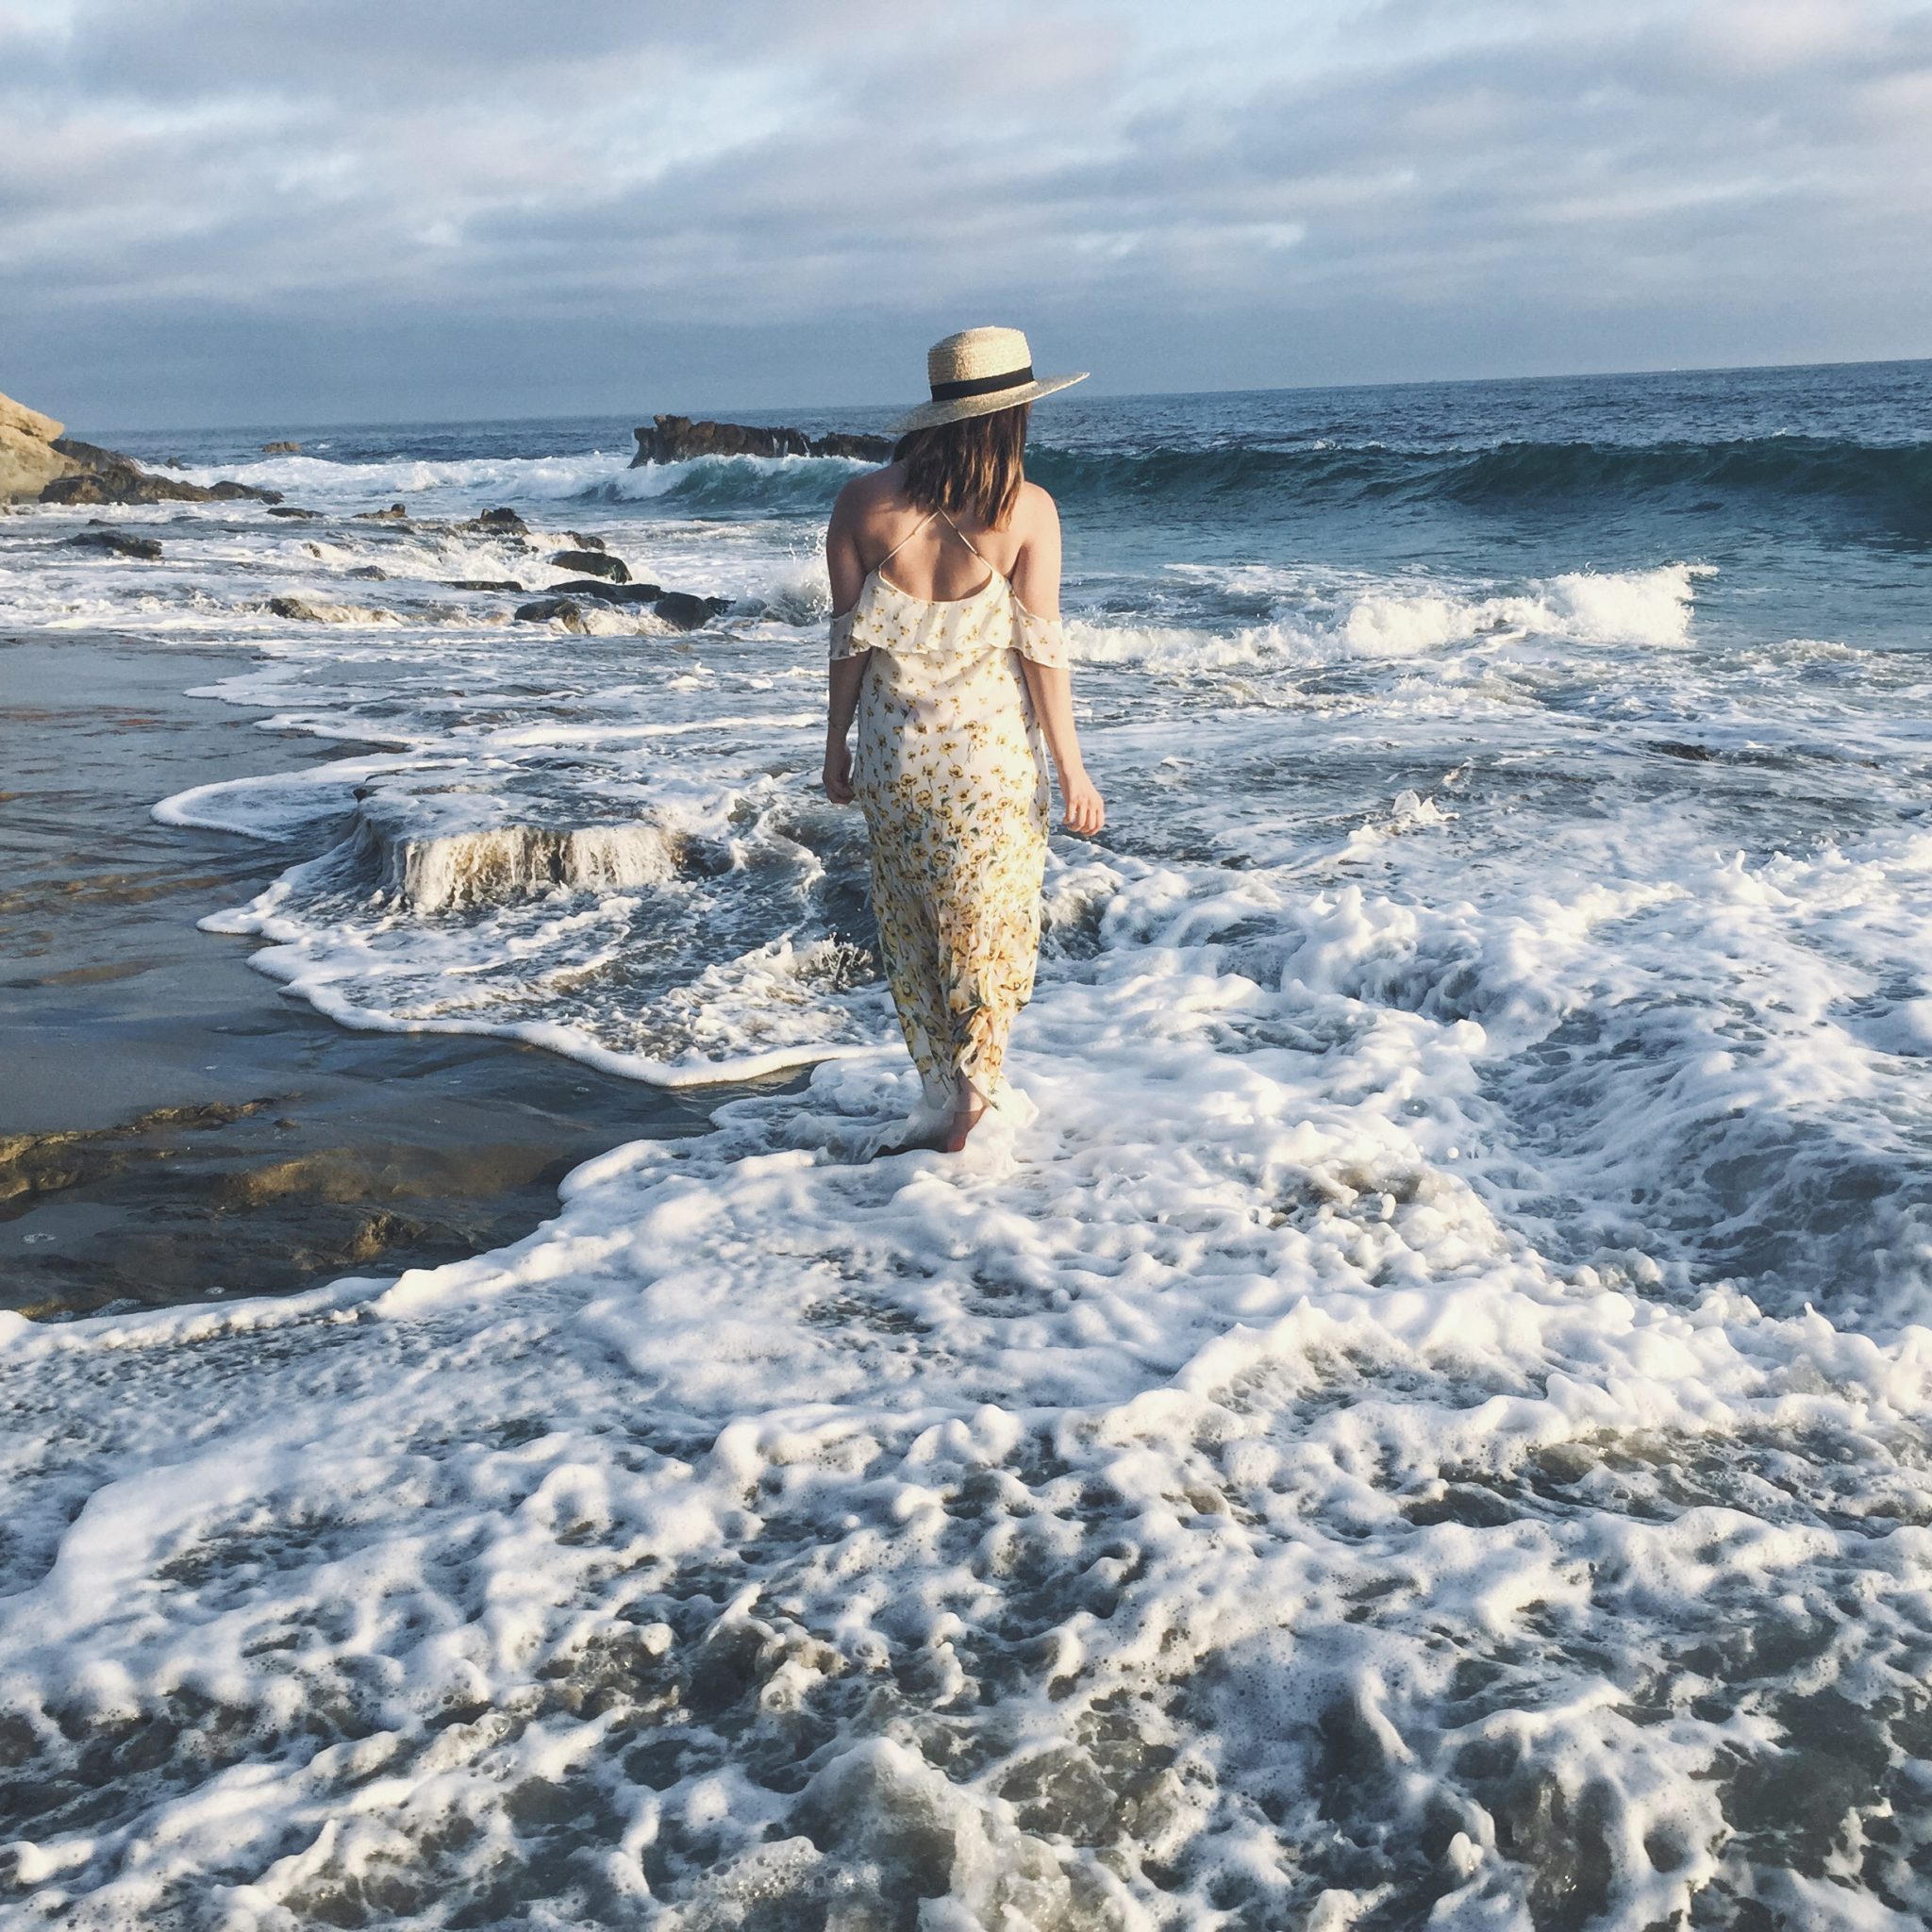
<point>909,537</point>
<point>970,544</point>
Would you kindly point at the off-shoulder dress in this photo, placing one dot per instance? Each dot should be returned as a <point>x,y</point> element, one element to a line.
<point>950,776</point>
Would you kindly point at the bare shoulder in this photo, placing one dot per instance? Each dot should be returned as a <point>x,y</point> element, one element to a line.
<point>1038,512</point>
<point>867,495</point>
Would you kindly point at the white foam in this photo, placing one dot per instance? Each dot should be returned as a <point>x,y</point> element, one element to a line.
<point>1320,621</point>
<point>1205,1458</point>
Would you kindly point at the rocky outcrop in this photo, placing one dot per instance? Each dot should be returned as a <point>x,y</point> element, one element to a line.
<point>105,475</point>
<point>322,610</point>
<point>681,610</point>
<point>281,449</point>
<point>497,523</point>
<point>563,611</point>
<point>592,563</point>
<point>38,464</point>
<point>129,483</point>
<point>677,439</point>
<point>29,459</point>
<point>609,593</point>
<point>116,543</point>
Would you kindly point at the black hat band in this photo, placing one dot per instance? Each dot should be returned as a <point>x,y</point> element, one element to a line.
<point>982,384</point>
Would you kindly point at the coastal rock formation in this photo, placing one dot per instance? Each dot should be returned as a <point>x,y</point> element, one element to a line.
<point>497,523</point>
<point>128,482</point>
<point>116,544</point>
<point>609,593</point>
<point>563,611</point>
<point>28,461</point>
<point>281,449</point>
<point>395,513</point>
<point>681,610</point>
<point>428,852</point>
<point>290,510</point>
<point>677,439</point>
<point>592,563</point>
<point>319,610</point>
<point>105,475</point>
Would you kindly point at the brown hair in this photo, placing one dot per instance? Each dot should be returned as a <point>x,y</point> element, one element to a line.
<point>972,468</point>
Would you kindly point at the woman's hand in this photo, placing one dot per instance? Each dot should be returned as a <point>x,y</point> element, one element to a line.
<point>1085,812</point>
<point>838,773</point>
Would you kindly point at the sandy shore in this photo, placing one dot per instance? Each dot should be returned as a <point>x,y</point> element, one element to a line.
<point>172,1126</point>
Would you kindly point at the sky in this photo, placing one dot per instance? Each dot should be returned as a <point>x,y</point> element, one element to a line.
<point>264,211</point>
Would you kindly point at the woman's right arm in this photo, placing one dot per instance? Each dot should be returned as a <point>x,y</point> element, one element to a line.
<point>846,569</point>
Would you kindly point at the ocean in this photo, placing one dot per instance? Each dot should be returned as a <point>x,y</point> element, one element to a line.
<point>1422,1418</point>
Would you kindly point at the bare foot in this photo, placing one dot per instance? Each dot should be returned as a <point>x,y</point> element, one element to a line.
<point>964,1120</point>
<point>928,1140</point>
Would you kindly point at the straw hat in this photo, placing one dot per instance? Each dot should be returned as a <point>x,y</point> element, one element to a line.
<point>977,372</point>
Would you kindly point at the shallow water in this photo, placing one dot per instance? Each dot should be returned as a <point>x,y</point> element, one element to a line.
<point>1429,1416</point>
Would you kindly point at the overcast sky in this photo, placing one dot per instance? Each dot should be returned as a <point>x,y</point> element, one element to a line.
<point>257,211</point>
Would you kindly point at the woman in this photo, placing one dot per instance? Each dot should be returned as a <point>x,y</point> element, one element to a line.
<point>953,665</point>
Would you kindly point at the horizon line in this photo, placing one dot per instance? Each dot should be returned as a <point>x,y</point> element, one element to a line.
<point>1096,395</point>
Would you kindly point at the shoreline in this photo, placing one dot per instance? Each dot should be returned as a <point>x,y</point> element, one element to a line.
<point>175,1127</point>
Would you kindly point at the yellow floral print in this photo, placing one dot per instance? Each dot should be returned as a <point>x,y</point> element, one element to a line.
<point>950,776</point>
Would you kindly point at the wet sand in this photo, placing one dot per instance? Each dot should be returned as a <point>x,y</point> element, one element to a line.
<point>172,1126</point>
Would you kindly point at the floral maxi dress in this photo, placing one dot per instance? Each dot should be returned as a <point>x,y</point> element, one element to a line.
<point>950,776</point>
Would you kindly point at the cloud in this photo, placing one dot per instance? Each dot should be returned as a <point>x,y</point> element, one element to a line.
<point>769,202</point>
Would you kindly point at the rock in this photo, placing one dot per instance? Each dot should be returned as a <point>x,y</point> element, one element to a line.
<point>395,513</point>
<point>498,520</point>
<point>374,573</point>
<point>281,449</point>
<point>481,584</point>
<point>546,609</point>
<point>105,475</point>
<point>290,510</point>
<point>595,564</point>
<point>17,416</point>
<point>684,611</point>
<point>607,593</point>
<point>317,610</point>
<point>113,542</point>
<point>29,459</point>
<point>91,456</point>
<point>27,465</point>
<point>677,439</point>
<point>128,482</point>
<point>587,543</point>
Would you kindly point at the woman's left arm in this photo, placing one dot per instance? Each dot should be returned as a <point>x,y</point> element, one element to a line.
<point>846,569</point>
<point>1037,583</point>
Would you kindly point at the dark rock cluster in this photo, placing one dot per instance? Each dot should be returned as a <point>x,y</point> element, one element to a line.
<point>677,439</point>
<point>115,543</point>
<point>105,475</point>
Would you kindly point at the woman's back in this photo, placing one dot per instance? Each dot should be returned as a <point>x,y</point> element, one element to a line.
<point>927,556</point>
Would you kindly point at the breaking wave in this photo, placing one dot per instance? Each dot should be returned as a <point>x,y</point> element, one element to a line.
<point>1888,481</point>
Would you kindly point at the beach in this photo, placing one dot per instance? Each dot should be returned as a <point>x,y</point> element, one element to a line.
<point>1422,1410</point>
